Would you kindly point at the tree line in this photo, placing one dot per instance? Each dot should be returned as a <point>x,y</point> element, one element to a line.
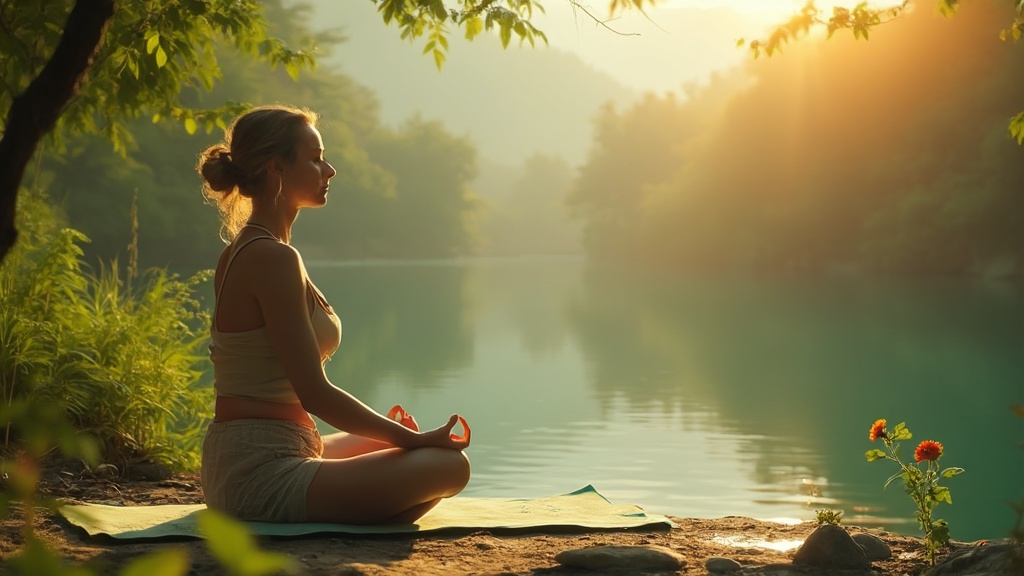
<point>889,155</point>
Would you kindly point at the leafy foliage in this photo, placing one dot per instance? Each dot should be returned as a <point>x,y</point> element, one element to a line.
<point>120,362</point>
<point>155,54</point>
<point>235,548</point>
<point>431,18</point>
<point>828,516</point>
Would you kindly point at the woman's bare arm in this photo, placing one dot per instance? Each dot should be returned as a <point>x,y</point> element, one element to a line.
<point>278,283</point>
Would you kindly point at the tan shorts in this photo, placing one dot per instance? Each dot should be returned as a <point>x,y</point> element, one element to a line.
<point>260,470</point>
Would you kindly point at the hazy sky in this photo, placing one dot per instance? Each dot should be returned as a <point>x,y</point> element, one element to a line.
<point>675,42</point>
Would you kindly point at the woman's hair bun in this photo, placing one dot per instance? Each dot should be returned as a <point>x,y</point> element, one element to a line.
<point>217,168</point>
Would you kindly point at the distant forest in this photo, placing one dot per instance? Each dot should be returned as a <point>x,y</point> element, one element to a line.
<point>887,155</point>
<point>891,154</point>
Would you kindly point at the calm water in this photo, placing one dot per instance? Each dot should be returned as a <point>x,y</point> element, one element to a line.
<point>696,396</point>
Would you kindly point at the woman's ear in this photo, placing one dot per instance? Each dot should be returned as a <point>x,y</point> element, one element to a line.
<point>275,167</point>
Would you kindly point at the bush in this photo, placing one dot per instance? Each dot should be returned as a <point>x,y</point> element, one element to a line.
<point>123,362</point>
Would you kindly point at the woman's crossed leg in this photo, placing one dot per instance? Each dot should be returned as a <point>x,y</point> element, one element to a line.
<point>363,481</point>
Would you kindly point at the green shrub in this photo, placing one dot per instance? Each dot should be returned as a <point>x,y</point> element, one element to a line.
<point>122,361</point>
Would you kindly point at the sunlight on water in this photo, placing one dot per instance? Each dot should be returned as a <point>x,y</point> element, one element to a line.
<point>744,542</point>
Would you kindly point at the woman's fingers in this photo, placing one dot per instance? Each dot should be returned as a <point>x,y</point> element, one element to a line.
<point>398,414</point>
<point>462,440</point>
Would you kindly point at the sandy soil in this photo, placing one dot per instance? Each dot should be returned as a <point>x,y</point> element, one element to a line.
<point>480,552</point>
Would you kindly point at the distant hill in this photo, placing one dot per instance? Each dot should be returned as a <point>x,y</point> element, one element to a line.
<point>512,102</point>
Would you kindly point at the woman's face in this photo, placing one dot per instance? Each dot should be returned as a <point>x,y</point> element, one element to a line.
<point>305,180</point>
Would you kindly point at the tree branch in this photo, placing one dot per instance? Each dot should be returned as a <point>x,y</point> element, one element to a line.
<point>35,111</point>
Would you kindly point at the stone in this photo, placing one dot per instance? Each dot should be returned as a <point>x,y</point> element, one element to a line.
<point>874,547</point>
<point>636,558</point>
<point>1000,559</point>
<point>722,565</point>
<point>831,546</point>
<point>150,471</point>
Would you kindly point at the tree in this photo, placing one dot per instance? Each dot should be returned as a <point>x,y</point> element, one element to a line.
<point>88,66</point>
<point>861,20</point>
<point>839,153</point>
<point>64,67</point>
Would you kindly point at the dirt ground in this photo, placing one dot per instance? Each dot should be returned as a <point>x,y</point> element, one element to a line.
<point>481,552</point>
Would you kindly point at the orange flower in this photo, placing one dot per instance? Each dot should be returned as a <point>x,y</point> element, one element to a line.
<point>928,450</point>
<point>877,430</point>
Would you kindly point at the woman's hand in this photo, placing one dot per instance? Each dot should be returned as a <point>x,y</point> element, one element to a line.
<point>442,437</point>
<point>398,414</point>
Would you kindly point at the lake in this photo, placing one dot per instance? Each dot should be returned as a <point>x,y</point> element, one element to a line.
<point>696,395</point>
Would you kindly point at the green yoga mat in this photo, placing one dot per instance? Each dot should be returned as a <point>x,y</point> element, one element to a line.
<point>582,509</point>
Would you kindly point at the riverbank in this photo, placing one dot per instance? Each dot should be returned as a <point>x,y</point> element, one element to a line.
<point>759,547</point>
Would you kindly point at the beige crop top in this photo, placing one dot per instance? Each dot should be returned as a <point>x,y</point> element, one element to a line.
<point>245,363</point>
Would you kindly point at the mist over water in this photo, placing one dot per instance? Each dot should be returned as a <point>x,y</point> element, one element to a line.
<point>695,395</point>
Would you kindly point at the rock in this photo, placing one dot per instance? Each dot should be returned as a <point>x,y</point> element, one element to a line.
<point>874,547</point>
<point>722,565</point>
<point>148,471</point>
<point>636,558</point>
<point>830,546</point>
<point>1002,559</point>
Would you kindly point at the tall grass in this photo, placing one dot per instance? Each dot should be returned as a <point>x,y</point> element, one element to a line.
<point>121,361</point>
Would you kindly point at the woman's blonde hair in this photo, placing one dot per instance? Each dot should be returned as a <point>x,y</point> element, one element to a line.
<point>236,169</point>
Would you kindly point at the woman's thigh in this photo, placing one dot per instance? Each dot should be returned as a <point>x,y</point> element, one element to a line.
<point>378,486</point>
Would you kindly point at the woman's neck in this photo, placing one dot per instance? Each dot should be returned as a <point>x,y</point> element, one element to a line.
<point>273,222</point>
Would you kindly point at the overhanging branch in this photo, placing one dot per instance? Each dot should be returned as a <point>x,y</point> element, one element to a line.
<point>35,111</point>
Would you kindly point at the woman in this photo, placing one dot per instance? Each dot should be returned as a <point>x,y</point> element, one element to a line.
<point>271,333</point>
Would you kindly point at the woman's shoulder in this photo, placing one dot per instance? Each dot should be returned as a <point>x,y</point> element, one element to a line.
<point>266,255</point>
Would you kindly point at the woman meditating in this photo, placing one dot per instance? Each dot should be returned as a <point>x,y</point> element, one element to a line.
<point>271,333</point>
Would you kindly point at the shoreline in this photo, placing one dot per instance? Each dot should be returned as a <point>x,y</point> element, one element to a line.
<point>754,544</point>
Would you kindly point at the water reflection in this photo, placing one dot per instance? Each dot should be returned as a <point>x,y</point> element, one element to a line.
<point>695,396</point>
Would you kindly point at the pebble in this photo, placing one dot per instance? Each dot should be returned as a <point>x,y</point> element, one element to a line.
<point>722,565</point>
<point>636,558</point>
<point>874,547</point>
<point>831,546</point>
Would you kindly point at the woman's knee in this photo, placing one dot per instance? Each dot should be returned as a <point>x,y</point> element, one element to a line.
<point>461,469</point>
<point>451,465</point>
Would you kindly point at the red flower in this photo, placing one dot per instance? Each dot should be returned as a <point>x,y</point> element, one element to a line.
<point>877,430</point>
<point>928,450</point>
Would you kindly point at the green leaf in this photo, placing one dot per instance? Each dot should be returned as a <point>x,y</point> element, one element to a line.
<point>37,559</point>
<point>891,479</point>
<point>190,125</point>
<point>152,41</point>
<point>950,472</point>
<point>173,562</point>
<point>506,34</point>
<point>473,27</point>
<point>161,57</point>
<point>235,548</point>
<point>1017,130</point>
<point>900,432</point>
<point>941,494</point>
<point>874,454</point>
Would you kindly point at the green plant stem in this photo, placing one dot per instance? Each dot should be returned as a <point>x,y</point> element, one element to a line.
<point>924,514</point>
